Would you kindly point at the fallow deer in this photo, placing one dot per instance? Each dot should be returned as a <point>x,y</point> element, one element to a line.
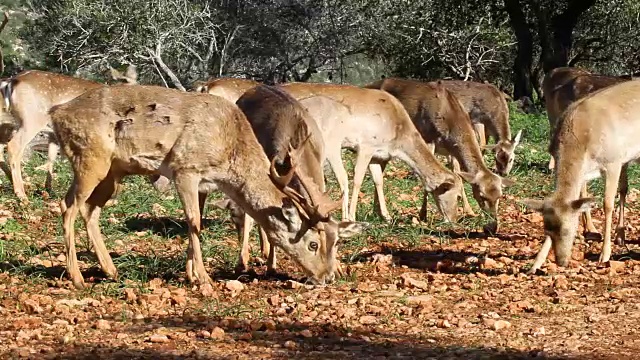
<point>561,87</point>
<point>28,97</point>
<point>375,125</point>
<point>196,140</point>
<point>279,121</point>
<point>443,122</point>
<point>489,112</point>
<point>596,135</point>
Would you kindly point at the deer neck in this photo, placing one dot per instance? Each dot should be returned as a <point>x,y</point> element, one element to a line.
<point>467,151</point>
<point>499,128</point>
<point>569,177</point>
<point>414,151</point>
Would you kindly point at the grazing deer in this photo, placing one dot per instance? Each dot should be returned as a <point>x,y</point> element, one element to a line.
<point>279,122</point>
<point>197,141</point>
<point>561,87</point>
<point>443,122</point>
<point>489,113</point>
<point>375,125</point>
<point>585,147</point>
<point>28,97</point>
<point>228,88</point>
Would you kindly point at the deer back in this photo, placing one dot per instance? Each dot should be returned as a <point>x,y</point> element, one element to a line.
<point>228,88</point>
<point>281,123</point>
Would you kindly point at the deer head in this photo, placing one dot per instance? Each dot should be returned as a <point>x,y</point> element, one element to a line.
<point>505,154</point>
<point>313,234</point>
<point>130,76</point>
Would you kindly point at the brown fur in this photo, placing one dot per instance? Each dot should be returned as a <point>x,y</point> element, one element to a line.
<point>228,88</point>
<point>374,124</point>
<point>197,140</point>
<point>596,135</point>
<point>279,123</point>
<point>30,95</point>
<point>562,87</point>
<point>443,122</point>
<point>489,112</point>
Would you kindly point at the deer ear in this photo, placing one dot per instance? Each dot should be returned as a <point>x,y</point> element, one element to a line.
<point>222,204</point>
<point>508,182</point>
<point>516,140</point>
<point>468,177</point>
<point>536,205</point>
<point>291,215</point>
<point>582,205</point>
<point>347,229</point>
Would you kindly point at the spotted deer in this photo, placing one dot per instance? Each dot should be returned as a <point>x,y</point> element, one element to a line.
<point>595,136</point>
<point>375,125</point>
<point>28,96</point>
<point>561,87</point>
<point>489,113</point>
<point>196,140</point>
<point>445,125</point>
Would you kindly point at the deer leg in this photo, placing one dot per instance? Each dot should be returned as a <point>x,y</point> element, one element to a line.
<point>422,215</point>
<point>362,162</point>
<point>271,252</point>
<point>465,202</point>
<point>52,154</point>
<point>202,201</point>
<point>91,215</point>
<point>335,160</point>
<point>624,189</point>
<point>376,168</point>
<point>610,189</point>
<point>15,153</point>
<point>187,188</point>
<point>81,189</point>
<point>542,255</point>
<point>482,140</point>
<point>245,254</point>
<point>590,230</point>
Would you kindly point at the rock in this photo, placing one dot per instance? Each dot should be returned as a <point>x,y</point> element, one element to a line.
<point>204,334</point>
<point>290,345</point>
<point>489,263</point>
<point>290,284</point>
<point>420,300</point>
<point>158,338</point>
<point>234,286</point>
<point>539,331</point>
<point>496,325</point>
<point>443,324</point>
<point>121,336</point>
<point>207,290</point>
<point>32,307</point>
<point>368,320</point>
<point>408,281</point>
<point>217,333</point>
<point>130,294</point>
<point>306,333</point>
<point>274,300</point>
<point>560,282</point>
<point>102,324</point>
<point>617,266</point>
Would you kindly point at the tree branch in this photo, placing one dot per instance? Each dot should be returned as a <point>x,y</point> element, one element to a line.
<point>157,57</point>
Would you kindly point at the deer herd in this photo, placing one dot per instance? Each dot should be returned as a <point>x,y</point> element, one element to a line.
<point>265,146</point>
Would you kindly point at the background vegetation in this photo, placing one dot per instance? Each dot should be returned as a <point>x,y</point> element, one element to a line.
<point>175,42</point>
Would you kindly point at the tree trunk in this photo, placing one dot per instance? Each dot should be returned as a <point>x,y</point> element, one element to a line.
<point>522,64</point>
<point>562,26</point>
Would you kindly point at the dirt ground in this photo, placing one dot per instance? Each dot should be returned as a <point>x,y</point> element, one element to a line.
<point>467,297</point>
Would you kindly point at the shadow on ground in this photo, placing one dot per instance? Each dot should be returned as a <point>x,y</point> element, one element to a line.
<point>328,342</point>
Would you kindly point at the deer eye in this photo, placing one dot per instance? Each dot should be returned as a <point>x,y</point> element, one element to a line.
<point>313,246</point>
